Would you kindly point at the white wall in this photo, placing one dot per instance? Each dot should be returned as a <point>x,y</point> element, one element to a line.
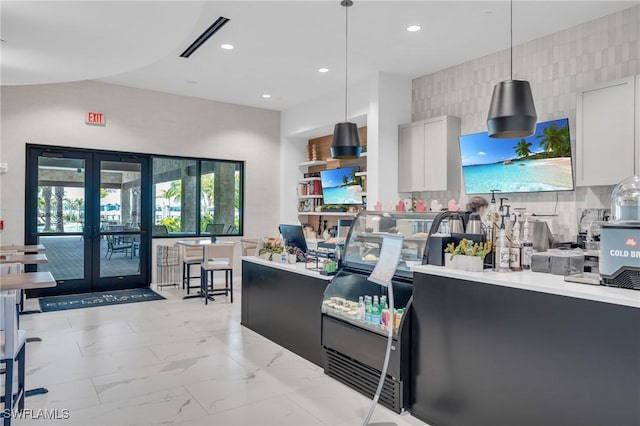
<point>381,103</point>
<point>139,121</point>
<point>557,66</point>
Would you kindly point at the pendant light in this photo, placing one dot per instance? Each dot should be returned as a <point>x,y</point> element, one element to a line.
<point>512,113</point>
<point>346,141</point>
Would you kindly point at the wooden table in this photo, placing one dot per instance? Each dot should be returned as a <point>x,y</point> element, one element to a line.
<point>27,281</point>
<point>25,259</point>
<point>36,248</point>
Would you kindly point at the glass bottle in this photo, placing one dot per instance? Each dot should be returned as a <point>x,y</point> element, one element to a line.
<point>502,251</point>
<point>367,309</point>
<point>375,311</point>
<point>360,311</point>
<point>515,260</point>
<point>527,246</point>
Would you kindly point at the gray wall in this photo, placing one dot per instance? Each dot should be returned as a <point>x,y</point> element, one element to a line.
<point>557,66</point>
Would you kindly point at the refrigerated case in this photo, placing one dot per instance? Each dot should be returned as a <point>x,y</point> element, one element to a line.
<point>354,347</point>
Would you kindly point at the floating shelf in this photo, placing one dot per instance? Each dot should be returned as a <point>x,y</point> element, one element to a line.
<point>304,197</point>
<point>312,163</point>
<point>326,214</point>
<point>361,173</point>
<point>311,179</point>
<point>363,154</point>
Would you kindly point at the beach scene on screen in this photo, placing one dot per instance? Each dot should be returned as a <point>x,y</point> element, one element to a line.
<point>341,186</point>
<point>540,162</point>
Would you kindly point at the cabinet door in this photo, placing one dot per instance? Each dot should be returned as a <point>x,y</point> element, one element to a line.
<point>410,155</point>
<point>605,133</point>
<point>435,156</point>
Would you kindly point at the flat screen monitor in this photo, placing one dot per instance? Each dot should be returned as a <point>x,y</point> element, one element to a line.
<point>293,236</point>
<point>341,186</point>
<point>537,163</point>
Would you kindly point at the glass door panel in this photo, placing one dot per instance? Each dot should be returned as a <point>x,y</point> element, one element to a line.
<point>120,235</point>
<point>92,211</point>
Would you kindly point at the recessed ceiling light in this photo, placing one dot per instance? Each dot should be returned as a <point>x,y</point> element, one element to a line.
<point>266,96</point>
<point>227,46</point>
<point>323,69</point>
<point>414,28</point>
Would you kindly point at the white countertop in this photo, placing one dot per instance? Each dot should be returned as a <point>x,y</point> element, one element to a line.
<point>541,282</point>
<point>298,267</point>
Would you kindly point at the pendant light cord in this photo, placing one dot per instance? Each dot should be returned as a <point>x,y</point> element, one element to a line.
<point>346,59</point>
<point>511,35</point>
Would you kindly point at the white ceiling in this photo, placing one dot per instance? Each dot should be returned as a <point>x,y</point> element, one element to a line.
<point>278,45</point>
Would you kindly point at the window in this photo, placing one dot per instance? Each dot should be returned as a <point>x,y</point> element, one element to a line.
<point>197,197</point>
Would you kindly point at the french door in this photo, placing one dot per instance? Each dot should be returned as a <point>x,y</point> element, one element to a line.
<point>91,210</point>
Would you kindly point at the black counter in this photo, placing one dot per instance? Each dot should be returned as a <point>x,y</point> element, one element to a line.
<point>284,306</point>
<point>490,355</point>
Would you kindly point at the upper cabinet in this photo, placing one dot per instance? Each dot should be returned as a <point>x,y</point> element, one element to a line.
<point>429,155</point>
<point>607,142</point>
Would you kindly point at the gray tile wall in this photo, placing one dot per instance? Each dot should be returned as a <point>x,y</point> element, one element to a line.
<point>557,66</point>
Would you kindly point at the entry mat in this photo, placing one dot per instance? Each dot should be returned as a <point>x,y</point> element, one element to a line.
<point>103,298</point>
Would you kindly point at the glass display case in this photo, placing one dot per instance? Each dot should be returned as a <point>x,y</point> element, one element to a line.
<point>356,315</point>
<point>364,240</point>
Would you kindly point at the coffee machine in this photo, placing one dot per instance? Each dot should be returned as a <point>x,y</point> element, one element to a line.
<point>589,222</point>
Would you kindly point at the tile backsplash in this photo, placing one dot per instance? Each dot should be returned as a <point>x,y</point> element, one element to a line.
<point>558,66</point>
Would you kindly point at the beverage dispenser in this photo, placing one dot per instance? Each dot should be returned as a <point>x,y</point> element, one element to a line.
<point>620,238</point>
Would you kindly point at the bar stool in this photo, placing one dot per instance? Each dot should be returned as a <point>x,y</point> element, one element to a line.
<point>190,256</point>
<point>217,257</point>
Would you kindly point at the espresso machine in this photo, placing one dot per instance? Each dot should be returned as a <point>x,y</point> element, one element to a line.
<point>589,223</point>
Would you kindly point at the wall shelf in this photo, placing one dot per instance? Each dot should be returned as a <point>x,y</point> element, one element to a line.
<point>312,163</point>
<point>361,173</point>
<point>345,214</point>
<point>311,179</point>
<point>304,197</point>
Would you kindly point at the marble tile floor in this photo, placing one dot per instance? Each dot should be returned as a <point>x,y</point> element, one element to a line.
<point>177,362</point>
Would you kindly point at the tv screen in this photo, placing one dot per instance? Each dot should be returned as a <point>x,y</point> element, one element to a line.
<point>540,162</point>
<point>341,186</point>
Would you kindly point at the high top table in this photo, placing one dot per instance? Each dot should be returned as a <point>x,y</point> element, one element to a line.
<point>203,242</point>
<point>28,281</point>
<point>34,248</point>
<point>25,259</point>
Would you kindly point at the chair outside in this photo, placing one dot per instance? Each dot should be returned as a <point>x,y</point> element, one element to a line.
<point>190,256</point>
<point>160,230</point>
<point>12,349</point>
<point>217,257</point>
<point>115,247</point>
<point>215,228</point>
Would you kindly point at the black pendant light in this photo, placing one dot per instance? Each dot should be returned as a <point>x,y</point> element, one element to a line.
<point>512,113</point>
<point>346,141</point>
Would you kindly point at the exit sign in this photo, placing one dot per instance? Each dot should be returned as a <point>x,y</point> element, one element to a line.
<point>95,118</point>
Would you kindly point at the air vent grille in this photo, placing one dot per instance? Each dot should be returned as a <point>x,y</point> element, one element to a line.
<point>363,378</point>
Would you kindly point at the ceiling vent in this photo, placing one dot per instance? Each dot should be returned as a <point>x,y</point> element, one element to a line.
<point>214,28</point>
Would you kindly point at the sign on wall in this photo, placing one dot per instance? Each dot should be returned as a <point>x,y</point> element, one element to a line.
<point>95,119</point>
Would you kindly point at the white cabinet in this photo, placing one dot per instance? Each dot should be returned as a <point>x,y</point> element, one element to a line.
<point>607,147</point>
<point>428,155</point>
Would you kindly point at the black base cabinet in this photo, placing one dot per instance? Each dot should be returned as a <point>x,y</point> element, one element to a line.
<point>355,357</point>
<point>284,307</point>
<point>490,355</point>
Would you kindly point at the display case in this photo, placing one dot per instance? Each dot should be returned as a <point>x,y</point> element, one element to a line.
<point>365,238</point>
<point>354,332</point>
